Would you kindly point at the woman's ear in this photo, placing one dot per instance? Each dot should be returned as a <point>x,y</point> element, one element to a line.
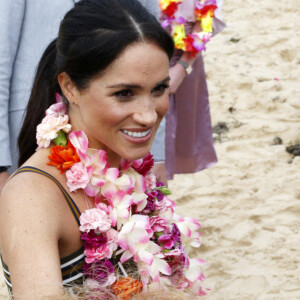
<point>68,88</point>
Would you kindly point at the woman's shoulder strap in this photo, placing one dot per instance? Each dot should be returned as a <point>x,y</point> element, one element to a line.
<point>74,208</point>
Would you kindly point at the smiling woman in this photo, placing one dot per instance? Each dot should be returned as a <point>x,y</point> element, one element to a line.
<point>103,84</point>
<point>100,92</point>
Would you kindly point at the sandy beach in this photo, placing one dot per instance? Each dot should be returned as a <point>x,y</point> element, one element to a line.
<point>249,203</point>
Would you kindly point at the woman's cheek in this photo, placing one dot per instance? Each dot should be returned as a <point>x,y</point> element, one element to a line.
<point>163,106</point>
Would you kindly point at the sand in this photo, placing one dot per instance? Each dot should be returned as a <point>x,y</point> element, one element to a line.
<point>249,203</point>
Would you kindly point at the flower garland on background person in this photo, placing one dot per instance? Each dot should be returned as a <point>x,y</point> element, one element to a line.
<point>132,238</point>
<point>193,42</point>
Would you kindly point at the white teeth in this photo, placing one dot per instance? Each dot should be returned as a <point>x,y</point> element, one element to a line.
<point>136,134</point>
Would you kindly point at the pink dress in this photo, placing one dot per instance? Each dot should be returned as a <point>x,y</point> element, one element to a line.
<point>189,141</point>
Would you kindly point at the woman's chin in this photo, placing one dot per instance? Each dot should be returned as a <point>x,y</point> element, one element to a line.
<point>134,155</point>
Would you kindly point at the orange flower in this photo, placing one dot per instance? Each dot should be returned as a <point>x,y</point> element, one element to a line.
<point>126,287</point>
<point>63,158</point>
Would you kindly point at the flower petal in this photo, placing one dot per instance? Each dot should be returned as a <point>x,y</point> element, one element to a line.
<point>125,256</point>
<point>79,141</point>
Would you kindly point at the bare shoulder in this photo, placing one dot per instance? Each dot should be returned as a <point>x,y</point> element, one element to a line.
<point>35,193</point>
<point>30,189</point>
<point>30,228</point>
<point>30,203</point>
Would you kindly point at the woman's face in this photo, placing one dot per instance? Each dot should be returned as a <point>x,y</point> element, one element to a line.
<point>121,109</point>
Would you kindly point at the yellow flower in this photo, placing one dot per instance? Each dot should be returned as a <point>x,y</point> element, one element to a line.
<point>206,23</point>
<point>178,36</point>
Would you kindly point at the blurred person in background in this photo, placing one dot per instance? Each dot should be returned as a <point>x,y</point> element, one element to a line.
<point>188,132</point>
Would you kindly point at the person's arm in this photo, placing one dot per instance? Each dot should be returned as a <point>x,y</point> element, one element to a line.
<point>178,71</point>
<point>11,19</point>
<point>30,227</point>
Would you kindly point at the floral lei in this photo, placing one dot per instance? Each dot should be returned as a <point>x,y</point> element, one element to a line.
<point>192,42</point>
<point>136,229</point>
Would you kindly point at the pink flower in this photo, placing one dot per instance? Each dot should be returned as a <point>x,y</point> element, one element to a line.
<point>92,239</point>
<point>158,265</point>
<point>138,181</point>
<point>158,224</point>
<point>140,200</point>
<point>175,252</point>
<point>77,177</point>
<point>150,181</point>
<point>112,239</point>
<point>57,109</point>
<point>194,270</point>
<point>107,209</point>
<point>146,165</point>
<point>127,164</point>
<point>136,230</point>
<point>134,238</point>
<point>104,250</point>
<point>101,271</point>
<point>94,219</point>
<point>97,253</point>
<point>80,141</point>
<point>120,208</point>
<point>96,160</point>
<point>48,129</point>
<point>188,227</point>
<point>167,241</point>
<point>165,208</point>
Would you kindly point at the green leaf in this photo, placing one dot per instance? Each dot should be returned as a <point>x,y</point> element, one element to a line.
<point>164,190</point>
<point>166,251</point>
<point>158,234</point>
<point>61,139</point>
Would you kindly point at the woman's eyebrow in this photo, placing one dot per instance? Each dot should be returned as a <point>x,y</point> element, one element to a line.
<point>163,81</point>
<point>135,86</point>
<point>124,85</point>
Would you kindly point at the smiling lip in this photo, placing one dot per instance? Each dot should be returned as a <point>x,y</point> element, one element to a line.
<point>137,136</point>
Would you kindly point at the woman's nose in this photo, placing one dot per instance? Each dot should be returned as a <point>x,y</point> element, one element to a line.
<point>145,113</point>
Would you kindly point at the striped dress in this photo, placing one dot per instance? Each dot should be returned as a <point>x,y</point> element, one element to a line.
<point>71,265</point>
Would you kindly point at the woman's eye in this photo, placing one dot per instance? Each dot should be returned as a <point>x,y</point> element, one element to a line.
<point>160,90</point>
<point>124,94</point>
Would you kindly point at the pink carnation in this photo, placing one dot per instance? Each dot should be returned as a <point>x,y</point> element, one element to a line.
<point>97,253</point>
<point>150,181</point>
<point>158,224</point>
<point>166,204</point>
<point>112,239</point>
<point>94,219</point>
<point>146,165</point>
<point>48,129</point>
<point>107,209</point>
<point>77,176</point>
<point>57,109</point>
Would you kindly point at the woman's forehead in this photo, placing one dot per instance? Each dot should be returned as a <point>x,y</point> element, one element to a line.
<point>138,62</point>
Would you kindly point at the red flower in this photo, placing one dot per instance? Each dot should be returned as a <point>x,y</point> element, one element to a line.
<point>171,9</point>
<point>200,13</point>
<point>146,165</point>
<point>63,158</point>
<point>189,40</point>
